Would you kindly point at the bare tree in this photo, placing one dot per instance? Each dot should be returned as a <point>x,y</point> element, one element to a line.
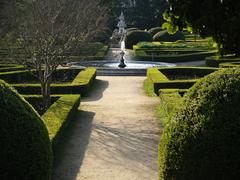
<point>51,29</point>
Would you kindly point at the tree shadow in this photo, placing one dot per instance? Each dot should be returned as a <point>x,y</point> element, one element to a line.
<point>96,91</point>
<point>70,151</point>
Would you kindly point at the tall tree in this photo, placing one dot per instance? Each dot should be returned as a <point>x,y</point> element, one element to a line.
<point>52,28</point>
<point>217,18</point>
<point>142,14</point>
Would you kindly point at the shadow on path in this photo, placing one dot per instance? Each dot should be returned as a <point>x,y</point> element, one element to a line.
<point>71,149</point>
<point>96,91</point>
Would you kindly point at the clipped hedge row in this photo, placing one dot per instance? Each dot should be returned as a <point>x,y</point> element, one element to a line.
<point>170,100</point>
<point>230,65</point>
<point>197,56</point>
<point>215,61</point>
<point>25,146</point>
<point>26,76</point>
<point>201,140</point>
<point>59,115</point>
<point>159,77</point>
<point>80,84</point>
<point>164,36</point>
<point>10,67</point>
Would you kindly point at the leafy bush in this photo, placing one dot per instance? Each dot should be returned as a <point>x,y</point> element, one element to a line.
<point>201,140</point>
<point>134,37</point>
<point>132,29</point>
<point>59,115</point>
<point>25,147</point>
<point>214,61</point>
<point>165,37</point>
<point>155,30</point>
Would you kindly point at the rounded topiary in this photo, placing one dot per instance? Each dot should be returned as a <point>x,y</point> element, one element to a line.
<point>131,29</point>
<point>155,30</point>
<point>202,139</point>
<point>25,149</point>
<point>164,36</point>
<point>134,37</point>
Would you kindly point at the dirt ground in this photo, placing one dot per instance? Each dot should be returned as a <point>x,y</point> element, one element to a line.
<point>115,135</point>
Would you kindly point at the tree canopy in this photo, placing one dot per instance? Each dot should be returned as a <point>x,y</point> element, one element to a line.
<point>143,14</point>
<point>217,18</point>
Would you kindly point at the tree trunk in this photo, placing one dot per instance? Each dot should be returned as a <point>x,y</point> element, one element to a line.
<point>46,91</point>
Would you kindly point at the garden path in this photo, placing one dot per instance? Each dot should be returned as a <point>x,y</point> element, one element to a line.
<point>115,136</point>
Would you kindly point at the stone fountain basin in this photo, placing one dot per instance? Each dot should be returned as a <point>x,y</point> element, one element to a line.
<point>139,65</point>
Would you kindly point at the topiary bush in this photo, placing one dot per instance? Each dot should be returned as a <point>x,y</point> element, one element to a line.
<point>132,29</point>
<point>134,37</point>
<point>25,146</point>
<point>202,139</point>
<point>155,30</point>
<point>163,36</point>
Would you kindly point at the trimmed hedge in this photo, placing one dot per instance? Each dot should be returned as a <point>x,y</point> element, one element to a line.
<point>201,140</point>
<point>170,100</point>
<point>160,80</point>
<point>163,36</point>
<point>26,76</point>
<point>141,54</point>
<point>59,115</point>
<point>25,147</point>
<point>155,30</point>
<point>80,84</point>
<point>230,65</point>
<point>134,37</point>
<point>132,29</point>
<point>10,67</point>
<point>215,61</point>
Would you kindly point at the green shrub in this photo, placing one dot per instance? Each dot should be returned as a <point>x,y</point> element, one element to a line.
<point>79,85</point>
<point>201,140</point>
<point>59,115</point>
<point>155,30</point>
<point>144,55</point>
<point>132,29</point>
<point>134,37</point>
<point>25,147</point>
<point>163,36</point>
<point>215,61</point>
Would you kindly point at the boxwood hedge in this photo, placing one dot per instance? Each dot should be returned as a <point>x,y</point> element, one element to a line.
<point>201,140</point>
<point>25,147</point>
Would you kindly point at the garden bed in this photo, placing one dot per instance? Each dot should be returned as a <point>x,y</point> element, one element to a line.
<point>172,78</point>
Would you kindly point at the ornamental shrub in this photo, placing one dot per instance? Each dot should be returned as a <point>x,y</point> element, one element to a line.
<point>25,146</point>
<point>163,36</point>
<point>134,37</point>
<point>202,139</point>
<point>155,30</point>
<point>132,29</point>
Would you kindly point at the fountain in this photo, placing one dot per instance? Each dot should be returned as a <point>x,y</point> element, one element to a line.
<point>126,65</point>
<point>121,32</point>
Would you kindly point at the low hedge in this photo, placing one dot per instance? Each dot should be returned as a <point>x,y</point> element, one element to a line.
<point>27,76</point>
<point>201,140</point>
<point>215,61</point>
<point>197,56</point>
<point>159,77</point>
<point>59,115</point>
<point>25,146</point>
<point>10,67</point>
<point>80,84</point>
<point>134,37</point>
<point>230,65</point>
<point>169,101</point>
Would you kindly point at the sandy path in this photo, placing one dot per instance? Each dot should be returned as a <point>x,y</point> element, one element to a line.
<point>115,136</point>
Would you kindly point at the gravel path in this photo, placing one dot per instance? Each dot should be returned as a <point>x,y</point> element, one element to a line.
<point>115,136</point>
